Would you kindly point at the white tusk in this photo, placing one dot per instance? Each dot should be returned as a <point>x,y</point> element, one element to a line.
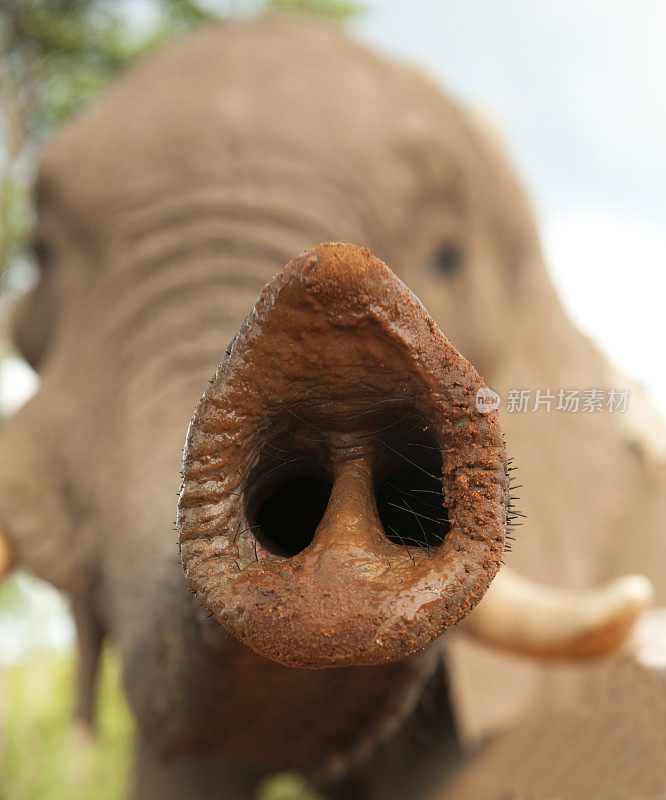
<point>6,557</point>
<point>647,644</point>
<point>526,617</point>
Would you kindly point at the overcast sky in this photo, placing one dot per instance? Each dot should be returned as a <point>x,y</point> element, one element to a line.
<point>578,90</point>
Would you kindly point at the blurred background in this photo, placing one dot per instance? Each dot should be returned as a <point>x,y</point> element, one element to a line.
<point>576,92</point>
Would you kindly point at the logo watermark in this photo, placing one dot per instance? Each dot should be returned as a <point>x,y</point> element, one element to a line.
<point>487,400</point>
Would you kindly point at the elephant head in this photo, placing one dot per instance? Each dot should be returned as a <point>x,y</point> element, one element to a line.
<point>343,500</point>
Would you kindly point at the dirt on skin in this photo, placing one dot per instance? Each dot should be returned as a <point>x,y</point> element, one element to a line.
<point>336,365</point>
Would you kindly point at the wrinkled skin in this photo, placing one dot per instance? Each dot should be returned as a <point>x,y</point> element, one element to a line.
<point>162,210</point>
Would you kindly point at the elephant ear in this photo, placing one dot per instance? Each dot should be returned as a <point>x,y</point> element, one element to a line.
<point>35,529</point>
<point>31,323</point>
<point>608,732</point>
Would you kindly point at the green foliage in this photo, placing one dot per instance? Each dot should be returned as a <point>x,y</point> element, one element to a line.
<point>338,10</point>
<point>43,758</point>
<point>15,220</point>
<point>286,786</point>
<point>57,54</point>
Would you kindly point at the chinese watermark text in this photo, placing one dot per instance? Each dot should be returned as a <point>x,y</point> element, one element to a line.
<point>569,401</point>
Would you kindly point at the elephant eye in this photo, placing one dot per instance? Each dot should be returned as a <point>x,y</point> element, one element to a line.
<point>447,259</point>
<point>42,254</point>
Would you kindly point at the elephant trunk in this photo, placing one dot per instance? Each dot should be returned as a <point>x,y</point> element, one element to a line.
<point>343,500</point>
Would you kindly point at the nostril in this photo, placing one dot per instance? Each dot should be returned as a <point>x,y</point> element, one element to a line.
<point>284,514</point>
<point>409,491</point>
<point>410,509</point>
<point>334,361</point>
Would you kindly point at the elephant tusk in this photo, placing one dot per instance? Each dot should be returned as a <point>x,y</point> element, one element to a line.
<point>6,556</point>
<point>526,617</point>
<point>647,644</point>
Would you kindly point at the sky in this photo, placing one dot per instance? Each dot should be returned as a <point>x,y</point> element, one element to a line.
<point>577,90</point>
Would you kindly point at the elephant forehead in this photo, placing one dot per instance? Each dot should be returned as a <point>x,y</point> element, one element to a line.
<point>279,87</point>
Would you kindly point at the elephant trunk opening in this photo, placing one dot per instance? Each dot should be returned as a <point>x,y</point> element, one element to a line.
<point>343,502</point>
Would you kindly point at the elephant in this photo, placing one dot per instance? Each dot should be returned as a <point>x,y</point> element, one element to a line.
<point>162,211</point>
